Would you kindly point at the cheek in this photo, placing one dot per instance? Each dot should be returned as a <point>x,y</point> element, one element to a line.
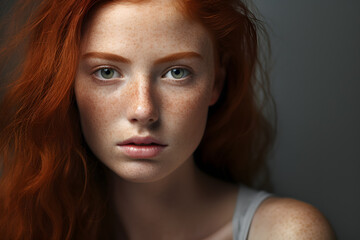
<point>94,112</point>
<point>188,112</point>
<point>188,107</point>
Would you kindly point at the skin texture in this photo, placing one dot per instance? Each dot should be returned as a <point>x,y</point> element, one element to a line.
<point>141,101</point>
<point>285,218</point>
<point>165,196</point>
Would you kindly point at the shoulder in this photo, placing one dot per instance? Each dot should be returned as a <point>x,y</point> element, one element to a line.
<point>285,218</point>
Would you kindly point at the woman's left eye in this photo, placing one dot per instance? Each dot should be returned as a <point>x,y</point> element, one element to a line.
<point>106,74</point>
<point>177,73</point>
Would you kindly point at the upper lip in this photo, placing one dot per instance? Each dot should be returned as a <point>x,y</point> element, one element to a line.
<point>141,140</point>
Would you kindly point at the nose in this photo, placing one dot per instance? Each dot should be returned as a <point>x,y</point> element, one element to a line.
<point>142,107</point>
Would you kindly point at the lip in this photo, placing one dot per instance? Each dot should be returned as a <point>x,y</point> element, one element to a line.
<point>141,140</point>
<point>131,148</point>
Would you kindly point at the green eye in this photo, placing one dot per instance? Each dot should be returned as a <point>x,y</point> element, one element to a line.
<point>106,74</point>
<point>177,73</point>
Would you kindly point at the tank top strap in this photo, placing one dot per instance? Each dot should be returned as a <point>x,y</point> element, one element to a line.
<point>248,201</point>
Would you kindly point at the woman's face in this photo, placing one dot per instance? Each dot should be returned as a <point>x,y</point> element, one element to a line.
<point>144,84</point>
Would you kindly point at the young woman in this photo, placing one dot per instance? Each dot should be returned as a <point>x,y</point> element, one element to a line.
<point>141,120</point>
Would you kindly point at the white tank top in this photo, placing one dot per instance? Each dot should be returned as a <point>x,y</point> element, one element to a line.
<point>248,201</point>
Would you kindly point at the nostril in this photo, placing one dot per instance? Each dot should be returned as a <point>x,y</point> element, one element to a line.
<point>143,108</point>
<point>143,120</point>
<point>143,114</point>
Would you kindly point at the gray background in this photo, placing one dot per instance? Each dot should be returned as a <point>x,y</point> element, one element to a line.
<point>316,86</point>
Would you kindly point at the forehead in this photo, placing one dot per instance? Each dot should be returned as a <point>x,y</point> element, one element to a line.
<point>152,25</point>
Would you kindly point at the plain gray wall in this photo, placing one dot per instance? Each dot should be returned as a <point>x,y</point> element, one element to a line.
<point>316,86</point>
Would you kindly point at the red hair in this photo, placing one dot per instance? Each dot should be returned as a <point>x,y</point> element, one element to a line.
<point>238,136</point>
<point>51,186</point>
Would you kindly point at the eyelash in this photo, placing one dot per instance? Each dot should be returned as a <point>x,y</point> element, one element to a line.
<point>98,71</point>
<point>187,72</point>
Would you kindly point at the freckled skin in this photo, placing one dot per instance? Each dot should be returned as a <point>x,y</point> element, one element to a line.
<point>142,102</point>
<point>289,219</point>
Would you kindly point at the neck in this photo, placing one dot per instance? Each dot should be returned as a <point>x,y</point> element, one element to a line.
<point>162,209</point>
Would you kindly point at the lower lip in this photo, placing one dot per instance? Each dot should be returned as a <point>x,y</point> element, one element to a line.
<point>138,152</point>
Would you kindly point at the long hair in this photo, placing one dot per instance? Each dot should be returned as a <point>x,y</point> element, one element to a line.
<point>239,134</point>
<point>51,186</point>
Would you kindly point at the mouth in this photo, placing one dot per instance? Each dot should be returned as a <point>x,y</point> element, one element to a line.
<point>142,147</point>
<point>142,141</point>
<point>142,144</point>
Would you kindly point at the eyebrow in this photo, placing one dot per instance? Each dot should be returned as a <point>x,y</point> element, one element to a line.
<point>118,58</point>
<point>108,56</point>
<point>177,56</point>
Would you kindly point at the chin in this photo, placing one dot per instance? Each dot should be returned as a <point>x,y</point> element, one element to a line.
<point>140,171</point>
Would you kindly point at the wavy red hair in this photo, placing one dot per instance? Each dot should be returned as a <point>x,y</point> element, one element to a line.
<point>238,135</point>
<point>51,186</point>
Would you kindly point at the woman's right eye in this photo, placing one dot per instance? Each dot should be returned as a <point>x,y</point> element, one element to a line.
<point>107,74</point>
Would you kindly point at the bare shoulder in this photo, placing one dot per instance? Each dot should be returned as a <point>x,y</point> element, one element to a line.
<point>285,218</point>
